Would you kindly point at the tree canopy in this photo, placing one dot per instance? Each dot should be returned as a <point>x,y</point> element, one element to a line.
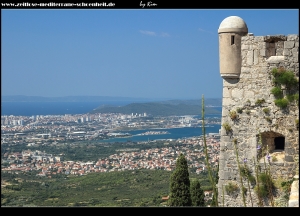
<point>180,184</point>
<point>197,193</point>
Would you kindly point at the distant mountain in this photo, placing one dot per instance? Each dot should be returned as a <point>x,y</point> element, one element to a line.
<point>164,108</point>
<point>208,102</point>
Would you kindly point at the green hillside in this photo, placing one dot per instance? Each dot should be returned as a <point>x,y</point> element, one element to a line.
<point>125,188</point>
<point>159,108</point>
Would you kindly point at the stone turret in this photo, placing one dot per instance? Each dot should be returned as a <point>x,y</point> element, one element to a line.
<point>230,32</point>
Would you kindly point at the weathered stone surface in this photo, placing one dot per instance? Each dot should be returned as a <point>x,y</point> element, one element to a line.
<point>292,37</point>
<point>295,52</point>
<point>226,140</point>
<point>289,159</point>
<point>258,39</point>
<point>244,47</point>
<point>290,151</point>
<point>249,94</point>
<point>227,175</point>
<point>286,52</point>
<point>289,44</point>
<point>237,93</point>
<point>255,57</point>
<point>227,101</point>
<point>263,52</point>
<point>293,203</point>
<point>245,70</point>
<point>294,195</point>
<point>226,93</point>
<point>274,38</point>
<point>250,58</point>
<point>275,59</point>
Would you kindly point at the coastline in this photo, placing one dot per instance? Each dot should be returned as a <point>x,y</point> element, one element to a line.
<point>173,133</point>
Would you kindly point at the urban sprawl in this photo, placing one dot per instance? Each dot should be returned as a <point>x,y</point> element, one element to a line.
<point>61,129</point>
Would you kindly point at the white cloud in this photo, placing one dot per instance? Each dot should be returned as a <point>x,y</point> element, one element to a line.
<point>151,33</point>
<point>148,33</point>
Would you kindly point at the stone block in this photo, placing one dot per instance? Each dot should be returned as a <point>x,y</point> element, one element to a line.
<point>295,52</point>
<point>289,151</point>
<point>244,47</point>
<point>225,112</point>
<point>262,45</point>
<point>293,203</point>
<point>265,69</point>
<point>246,70</point>
<point>226,139</point>
<point>296,59</point>
<point>289,44</point>
<point>221,174</point>
<point>227,175</point>
<point>237,93</point>
<point>223,132</point>
<point>263,52</point>
<point>289,159</point>
<point>229,146</point>
<point>275,59</point>
<point>227,155</point>
<point>279,52</point>
<point>226,93</point>
<point>253,141</point>
<point>286,52</point>
<point>292,37</point>
<point>252,153</point>
<point>245,76</point>
<point>255,57</point>
<point>227,101</point>
<point>274,38</point>
<point>243,145</point>
<point>271,45</point>
<point>221,161</point>
<point>259,39</point>
<point>250,58</point>
<point>279,44</point>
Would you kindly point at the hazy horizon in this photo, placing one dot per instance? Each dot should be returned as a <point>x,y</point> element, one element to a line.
<point>106,97</point>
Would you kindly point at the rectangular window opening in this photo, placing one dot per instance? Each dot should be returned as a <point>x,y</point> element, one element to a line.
<point>232,39</point>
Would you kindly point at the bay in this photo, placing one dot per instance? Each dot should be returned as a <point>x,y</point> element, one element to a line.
<point>173,133</point>
<point>19,108</point>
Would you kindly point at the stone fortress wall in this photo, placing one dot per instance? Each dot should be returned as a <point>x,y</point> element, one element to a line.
<point>246,62</point>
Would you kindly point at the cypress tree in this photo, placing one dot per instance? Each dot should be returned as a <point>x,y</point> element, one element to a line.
<point>197,193</point>
<point>180,184</point>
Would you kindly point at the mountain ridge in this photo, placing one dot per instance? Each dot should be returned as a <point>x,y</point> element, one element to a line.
<point>163,108</point>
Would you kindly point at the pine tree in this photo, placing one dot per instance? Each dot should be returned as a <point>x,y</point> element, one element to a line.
<point>180,184</point>
<point>197,193</point>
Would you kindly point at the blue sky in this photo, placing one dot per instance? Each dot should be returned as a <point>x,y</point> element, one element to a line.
<point>141,53</point>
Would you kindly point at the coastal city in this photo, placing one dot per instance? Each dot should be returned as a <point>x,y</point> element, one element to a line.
<point>61,129</point>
